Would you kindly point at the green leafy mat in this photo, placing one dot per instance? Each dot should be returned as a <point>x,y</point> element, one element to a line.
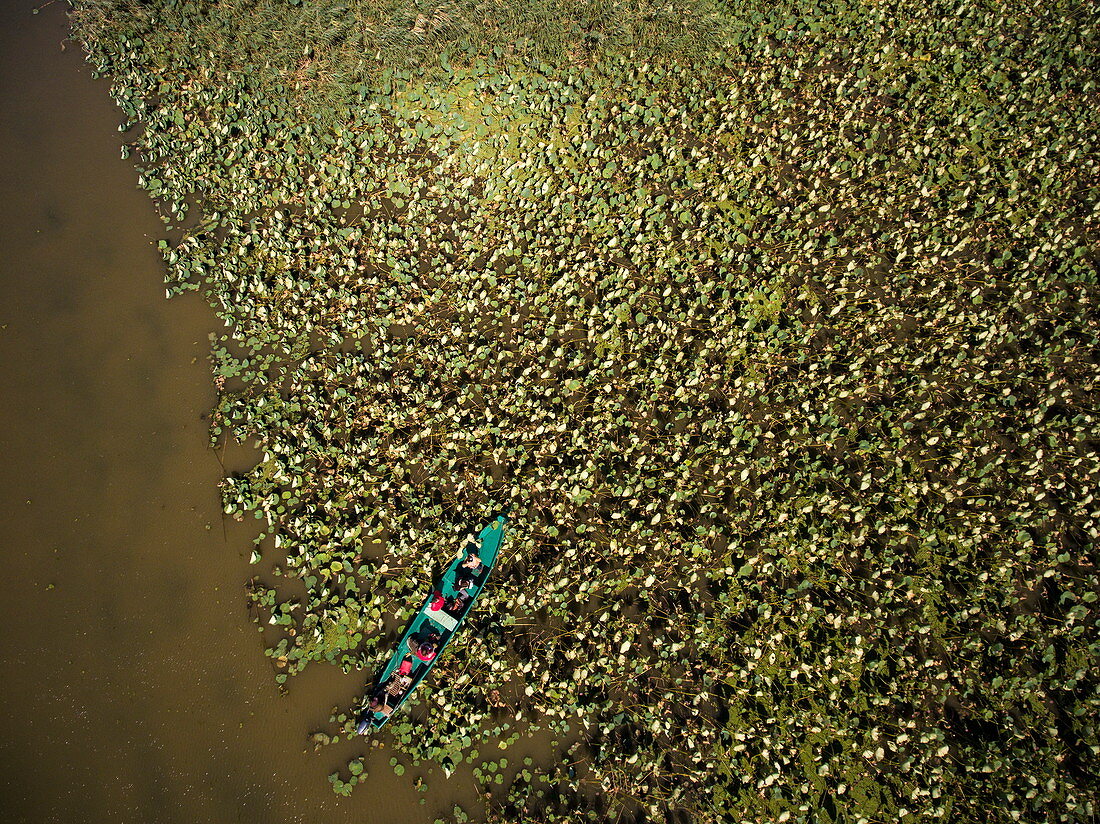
<point>779,339</point>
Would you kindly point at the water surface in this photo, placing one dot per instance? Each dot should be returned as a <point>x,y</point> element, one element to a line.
<point>134,686</point>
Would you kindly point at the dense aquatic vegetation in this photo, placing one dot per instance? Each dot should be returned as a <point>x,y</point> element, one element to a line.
<point>778,337</point>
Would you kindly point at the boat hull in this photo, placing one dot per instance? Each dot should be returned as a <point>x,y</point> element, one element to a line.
<point>439,621</point>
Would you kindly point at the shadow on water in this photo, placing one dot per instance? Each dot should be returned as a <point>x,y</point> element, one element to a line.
<point>135,688</point>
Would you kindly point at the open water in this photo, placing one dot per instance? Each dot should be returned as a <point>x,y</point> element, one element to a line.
<point>134,686</point>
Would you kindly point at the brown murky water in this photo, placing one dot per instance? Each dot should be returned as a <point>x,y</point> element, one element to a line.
<point>134,686</point>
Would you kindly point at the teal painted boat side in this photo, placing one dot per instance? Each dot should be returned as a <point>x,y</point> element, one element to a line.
<point>425,620</point>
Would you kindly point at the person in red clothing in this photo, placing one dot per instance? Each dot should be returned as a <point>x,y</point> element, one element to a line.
<point>426,648</point>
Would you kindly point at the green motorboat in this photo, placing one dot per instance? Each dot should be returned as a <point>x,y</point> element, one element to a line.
<point>433,627</point>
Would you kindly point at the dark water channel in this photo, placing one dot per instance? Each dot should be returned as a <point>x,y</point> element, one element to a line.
<point>134,685</point>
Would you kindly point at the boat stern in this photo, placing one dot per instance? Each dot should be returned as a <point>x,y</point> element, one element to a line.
<point>365,722</point>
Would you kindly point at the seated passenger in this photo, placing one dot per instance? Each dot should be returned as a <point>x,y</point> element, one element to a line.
<point>463,584</point>
<point>472,562</point>
<point>378,703</point>
<point>437,601</point>
<point>426,648</point>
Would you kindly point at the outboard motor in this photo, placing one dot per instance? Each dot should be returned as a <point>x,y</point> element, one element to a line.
<point>363,724</point>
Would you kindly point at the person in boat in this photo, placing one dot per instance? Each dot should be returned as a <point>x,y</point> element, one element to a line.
<point>463,584</point>
<point>380,703</point>
<point>425,648</point>
<point>473,562</point>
